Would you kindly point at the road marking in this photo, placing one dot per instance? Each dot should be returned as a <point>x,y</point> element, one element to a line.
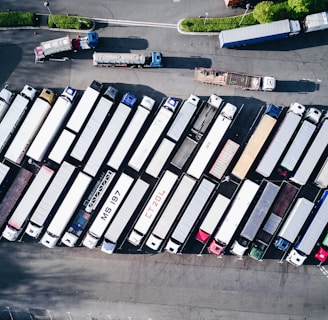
<point>138,23</point>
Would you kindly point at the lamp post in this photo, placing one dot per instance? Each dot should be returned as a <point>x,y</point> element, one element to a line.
<point>206,15</point>
<point>248,6</point>
<point>46,5</point>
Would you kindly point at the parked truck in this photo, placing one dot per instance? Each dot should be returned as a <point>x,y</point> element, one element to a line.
<point>235,79</point>
<point>107,211</point>
<point>49,199</point>
<point>305,245</point>
<point>131,132</point>
<point>277,214</point>
<point>123,216</point>
<point>255,220</point>
<point>190,215</point>
<point>170,213</point>
<point>14,193</point>
<point>152,207</point>
<point>140,60</point>
<point>281,139</point>
<point>293,224</point>
<point>301,139</point>
<point>50,48</point>
<point>84,106</point>
<point>259,33</point>
<point>66,210</point>
<point>196,133</point>
<point>17,220</point>
<point>313,154</point>
<point>212,218</point>
<point>322,252</point>
<point>321,180</point>
<point>15,114</point>
<point>315,22</point>
<point>256,142</point>
<point>94,123</point>
<point>84,215</point>
<point>153,134</point>
<point>212,140</point>
<point>50,127</point>
<point>6,97</point>
<point>239,206</point>
<point>30,126</point>
<point>110,134</point>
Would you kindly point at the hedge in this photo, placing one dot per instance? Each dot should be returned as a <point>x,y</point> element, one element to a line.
<point>16,19</point>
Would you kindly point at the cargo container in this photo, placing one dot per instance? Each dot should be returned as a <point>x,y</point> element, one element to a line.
<point>130,134</point>
<point>259,33</point>
<point>30,126</point>
<point>50,127</point>
<point>212,218</point>
<point>110,134</point>
<point>281,139</point>
<point>301,139</point>
<point>84,106</point>
<point>256,142</point>
<point>123,216</point>
<point>84,215</point>
<point>277,214</point>
<point>305,245</point>
<point>62,146</point>
<point>14,193</point>
<point>94,123</point>
<point>190,215</point>
<point>293,224</point>
<point>49,199</point>
<point>170,213</point>
<point>211,141</point>
<point>255,220</point>
<point>313,154</point>
<point>321,180</point>
<point>238,209</point>
<point>107,211</point>
<point>30,199</point>
<point>6,97</point>
<point>153,134</point>
<point>66,210</point>
<point>199,127</point>
<point>152,207</point>
<point>15,114</point>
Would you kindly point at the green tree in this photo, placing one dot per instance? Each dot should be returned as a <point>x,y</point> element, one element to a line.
<point>263,12</point>
<point>300,6</point>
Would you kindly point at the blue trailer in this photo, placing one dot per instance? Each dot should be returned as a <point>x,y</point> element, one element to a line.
<point>259,33</point>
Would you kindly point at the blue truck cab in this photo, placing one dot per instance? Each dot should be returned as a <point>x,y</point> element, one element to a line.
<point>129,100</point>
<point>154,60</point>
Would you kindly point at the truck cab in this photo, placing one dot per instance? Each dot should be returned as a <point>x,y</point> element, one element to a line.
<point>313,115</point>
<point>154,60</point>
<point>108,246</point>
<point>215,248</point>
<point>268,83</point>
<point>296,258</point>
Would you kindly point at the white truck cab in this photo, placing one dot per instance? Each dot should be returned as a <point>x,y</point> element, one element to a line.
<point>268,83</point>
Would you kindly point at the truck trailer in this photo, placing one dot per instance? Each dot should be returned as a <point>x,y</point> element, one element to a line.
<point>259,33</point>
<point>30,199</point>
<point>94,123</point>
<point>196,133</point>
<point>50,127</point>
<point>170,213</point>
<point>139,60</point>
<point>315,22</point>
<point>131,132</point>
<point>190,215</point>
<point>15,114</point>
<point>277,214</point>
<point>313,154</point>
<point>235,79</point>
<point>62,146</point>
<point>293,224</point>
<point>256,142</point>
<point>321,180</point>
<point>66,210</point>
<point>110,134</point>
<point>48,49</point>
<point>30,126</point>
<point>84,215</point>
<point>255,220</point>
<point>107,211</point>
<point>123,216</point>
<point>212,140</point>
<point>49,199</point>
<point>153,206</point>
<point>6,97</point>
<point>304,247</point>
<point>281,139</point>
<point>239,206</point>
